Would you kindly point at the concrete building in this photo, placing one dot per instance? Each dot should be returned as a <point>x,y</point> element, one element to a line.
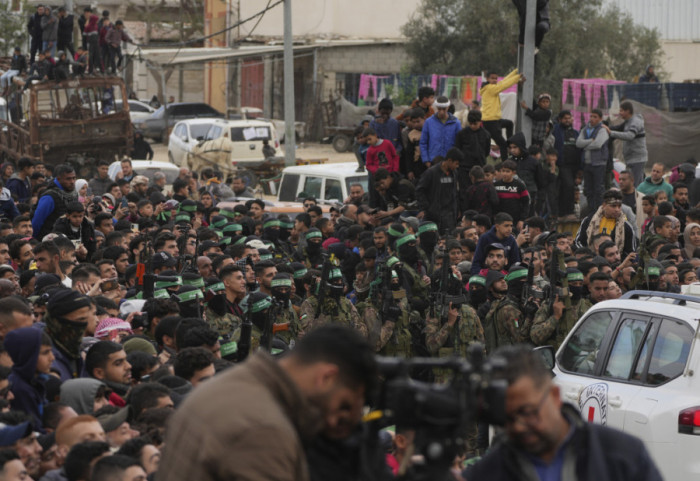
<point>678,22</point>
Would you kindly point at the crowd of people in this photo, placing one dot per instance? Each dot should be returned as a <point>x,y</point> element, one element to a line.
<point>53,56</point>
<point>139,293</point>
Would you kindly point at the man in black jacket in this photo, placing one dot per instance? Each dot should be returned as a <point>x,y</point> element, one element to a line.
<point>65,31</point>
<point>35,32</point>
<point>544,441</point>
<point>475,143</point>
<point>437,191</point>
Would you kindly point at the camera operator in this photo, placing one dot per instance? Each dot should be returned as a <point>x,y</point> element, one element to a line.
<point>546,439</point>
<point>320,385</point>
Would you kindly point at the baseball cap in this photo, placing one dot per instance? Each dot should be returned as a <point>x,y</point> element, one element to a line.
<point>163,259</point>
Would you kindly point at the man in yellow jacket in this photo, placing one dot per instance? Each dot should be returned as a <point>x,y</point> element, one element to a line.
<point>491,107</point>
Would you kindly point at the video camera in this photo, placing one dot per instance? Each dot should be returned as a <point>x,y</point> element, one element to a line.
<point>441,414</point>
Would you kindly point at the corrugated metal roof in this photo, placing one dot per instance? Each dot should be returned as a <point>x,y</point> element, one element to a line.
<point>675,19</point>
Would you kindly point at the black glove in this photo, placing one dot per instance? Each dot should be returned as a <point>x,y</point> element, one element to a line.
<point>392,313</point>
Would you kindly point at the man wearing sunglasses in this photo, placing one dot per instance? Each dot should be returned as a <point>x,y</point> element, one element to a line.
<point>546,439</point>
<point>608,220</point>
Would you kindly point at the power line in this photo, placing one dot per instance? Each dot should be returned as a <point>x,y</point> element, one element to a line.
<point>206,37</point>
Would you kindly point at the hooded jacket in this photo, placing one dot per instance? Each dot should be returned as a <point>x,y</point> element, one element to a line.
<point>437,138</point>
<point>80,394</point>
<point>27,386</point>
<point>529,170</point>
<point>20,188</point>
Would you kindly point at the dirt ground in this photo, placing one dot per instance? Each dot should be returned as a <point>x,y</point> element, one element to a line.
<point>305,151</point>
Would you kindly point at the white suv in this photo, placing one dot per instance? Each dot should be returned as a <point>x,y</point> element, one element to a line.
<point>632,364</point>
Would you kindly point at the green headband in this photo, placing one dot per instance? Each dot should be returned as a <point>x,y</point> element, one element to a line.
<point>480,280</point>
<point>431,227</point>
<point>261,305</point>
<point>218,287</point>
<point>287,225</point>
<point>161,294</point>
<point>405,239</point>
<point>240,241</point>
<point>281,283</point>
<point>166,213</point>
<point>188,208</point>
<point>232,228</point>
<point>272,223</point>
<point>300,273</point>
<point>313,234</point>
<point>190,296</point>
<point>219,233</point>
<point>266,257</point>
<point>574,276</point>
<point>226,240</point>
<point>394,233</point>
<point>335,274</point>
<point>653,271</point>
<point>227,213</point>
<point>518,274</point>
<point>228,348</point>
<point>164,284</point>
<point>220,223</point>
<point>391,261</point>
<point>198,282</point>
<point>183,218</point>
<point>394,275</point>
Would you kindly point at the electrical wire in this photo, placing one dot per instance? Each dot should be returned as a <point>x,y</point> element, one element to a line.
<point>211,35</point>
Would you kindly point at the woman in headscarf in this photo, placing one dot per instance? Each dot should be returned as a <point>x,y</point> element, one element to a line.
<point>81,187</point>
<point>691,235</point>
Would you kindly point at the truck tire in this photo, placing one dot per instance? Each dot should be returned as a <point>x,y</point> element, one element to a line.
<point>249,177</point>
<point>341,143</point>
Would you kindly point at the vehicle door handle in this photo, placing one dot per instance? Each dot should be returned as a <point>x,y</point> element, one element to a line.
<point>615,402</point>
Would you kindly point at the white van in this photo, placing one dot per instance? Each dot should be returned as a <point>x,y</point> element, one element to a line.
<point>328,183</point>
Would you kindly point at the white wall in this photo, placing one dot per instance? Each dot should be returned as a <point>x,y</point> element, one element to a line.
<point>680,60</point>
<point>347,18</point>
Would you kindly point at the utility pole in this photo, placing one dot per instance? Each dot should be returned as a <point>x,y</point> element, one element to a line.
<point>527,67</point>
<point>289,137</point>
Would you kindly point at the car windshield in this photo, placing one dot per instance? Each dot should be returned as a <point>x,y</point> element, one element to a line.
<point>199,130</point>
<point>170,174</point>
<point>356,180</point>
<point>239,134</point>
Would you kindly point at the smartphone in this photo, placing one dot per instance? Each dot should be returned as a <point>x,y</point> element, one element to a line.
<point>76,243</point>
<point>134,227</point>
<point>125,202</point>
<point>109,285</point>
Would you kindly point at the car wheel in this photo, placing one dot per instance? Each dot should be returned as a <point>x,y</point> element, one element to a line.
<point>341,143</point>
<point>249,177</point>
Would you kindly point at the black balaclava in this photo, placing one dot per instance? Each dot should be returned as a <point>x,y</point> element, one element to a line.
<point>428,235</point>
<point>281,287</point>
<point>408,252</point>
<point>516,279</point>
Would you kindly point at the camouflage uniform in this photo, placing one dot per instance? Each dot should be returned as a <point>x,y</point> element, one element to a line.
<point>288,316</point>
<point>546,330</point>
<point>224,324</point>
<point>445,341</point>
<point>510,324</point>
<point>255,336</point>
<point>395,338</point>
<point>341,311</point>
<point>418,287</point>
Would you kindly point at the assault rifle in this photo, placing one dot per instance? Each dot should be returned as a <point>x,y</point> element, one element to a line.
<point>441,298</point>
<point>557,275</point>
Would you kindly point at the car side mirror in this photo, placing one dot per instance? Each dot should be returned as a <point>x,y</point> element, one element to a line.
<point>547,353</point>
